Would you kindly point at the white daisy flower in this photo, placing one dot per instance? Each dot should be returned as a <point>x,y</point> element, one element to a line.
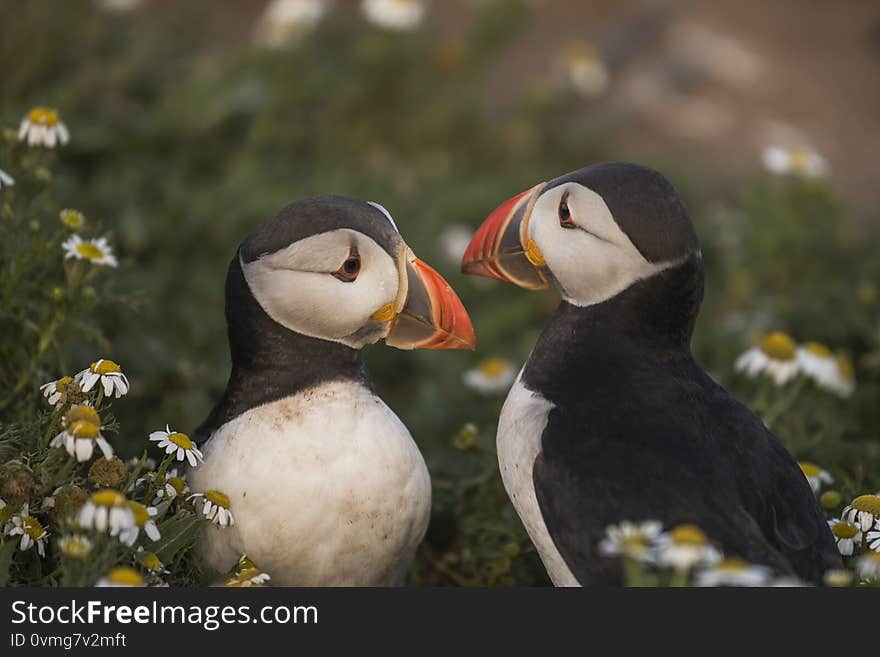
<point>43,127</point>
<point>454,242</point>
<point>868,566</point>
<point>215,507</point>
<point>844,383</point>
<point>873,538</point>
<point>174,441</point>
<point>794,161</point>
<point>284,21</point>
<point>584,69</point>
<point>108,373</point>
<point>734,572</point>
<point>684,547</point>
<point>56,391</point>
<point>847,535</point>
<point>396,15</point>
<point>175,486</point>
<point>82,431</point>
<point>121,577</point>
<point>6,180</point>
<point>96,251</point>
<point>76,546</point>
<point>246,574</point>
<point>775,356</point>
<point>838,578</point>
<point>863,511</point>
<point>815,475</point>
<point>106,509</point>
<point>817,362</point>
<point>630,539</point>
<point>151,562</point>
<point>143,519</point>
<point>30,529</point>
<point>491,376</point>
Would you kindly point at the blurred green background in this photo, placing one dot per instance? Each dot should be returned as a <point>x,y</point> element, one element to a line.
<point>192,121</point>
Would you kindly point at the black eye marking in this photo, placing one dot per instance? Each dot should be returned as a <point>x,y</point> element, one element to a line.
<point>565,219</point>
<point>350,269</point>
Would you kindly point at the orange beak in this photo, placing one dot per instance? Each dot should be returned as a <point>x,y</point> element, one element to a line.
<point>428,313</point>
<point>501,247</point>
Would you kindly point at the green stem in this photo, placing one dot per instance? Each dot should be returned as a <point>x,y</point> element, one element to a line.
<point>679,578</point>
<point>785,403</point>
<point>62,474</point>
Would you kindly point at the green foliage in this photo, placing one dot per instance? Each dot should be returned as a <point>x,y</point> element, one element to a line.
<point>184,135</point>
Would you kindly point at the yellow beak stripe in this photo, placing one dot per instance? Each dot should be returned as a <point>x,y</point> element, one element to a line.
<point>385,313</point>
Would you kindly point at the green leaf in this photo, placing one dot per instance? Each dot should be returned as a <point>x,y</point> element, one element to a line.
<point>7,550</point>
<point>178,533</point>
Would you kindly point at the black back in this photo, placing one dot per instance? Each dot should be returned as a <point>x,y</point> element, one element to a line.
<point>639,431</point>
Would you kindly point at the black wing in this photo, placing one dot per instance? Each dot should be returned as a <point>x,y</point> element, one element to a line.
<point>678,450</point>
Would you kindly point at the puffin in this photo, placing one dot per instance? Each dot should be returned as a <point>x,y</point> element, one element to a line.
<point>324,483</point>
<point>611,418</point>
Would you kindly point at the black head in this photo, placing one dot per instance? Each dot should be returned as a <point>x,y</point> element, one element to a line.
<point>605,231</point>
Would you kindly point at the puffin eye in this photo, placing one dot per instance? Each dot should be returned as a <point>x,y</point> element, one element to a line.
<point>565,219</point>
<point>350,269</point>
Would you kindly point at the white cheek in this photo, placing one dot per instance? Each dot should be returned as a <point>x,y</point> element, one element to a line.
<point>318,304</point>
<point>589,269</point>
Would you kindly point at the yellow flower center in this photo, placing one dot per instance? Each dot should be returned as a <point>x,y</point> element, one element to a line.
<point>105,366</point>
<point>579,54</point>
<point>244,564</point>
<point>43,116</point>
<point>177,484</point>
<point>72,218</point>
<point>32,527</point>
<point>84,413</point>
<point>818,349</point>
<point>76,547</point>
<point>248,573</point>
<point>810,469</point>
<point>181,440</point>
<point>493,367</point>
<point>125,576</point>
<point>844,529</point>
<point>62,383</point>
<point>218,498</point>
<point>779,346</point>
<point>868,504</point>
<point>733,565</point>
<point>688,535</point>
<point>89,251</point>
<point>108,497</point>
<point>141,515</point>
<point>845,367</point>
<point>800,158</point>
<point>150,560</point>
<point>84,430</point>
<point>634,544</point>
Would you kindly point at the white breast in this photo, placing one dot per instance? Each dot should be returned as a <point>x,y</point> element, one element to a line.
<point>520,426</point>
<point>327,488</point>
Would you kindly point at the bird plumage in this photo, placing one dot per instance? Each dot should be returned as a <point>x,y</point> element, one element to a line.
<point>611,418</point>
